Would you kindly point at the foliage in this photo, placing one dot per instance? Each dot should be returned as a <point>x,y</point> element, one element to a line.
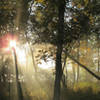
<point>40,20</point>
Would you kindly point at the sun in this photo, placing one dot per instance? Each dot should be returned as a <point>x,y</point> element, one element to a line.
<point>13,44</point>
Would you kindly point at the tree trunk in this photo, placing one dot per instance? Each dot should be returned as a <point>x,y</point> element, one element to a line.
<point>19,88</point>
<point>74,74</point>
<point>35,67</point>
<point>98,60</point>
<point>78,69</point>
<point>64,76</point>
<point>60,38</point>
<point>32,53</point>
<point>58,76</point>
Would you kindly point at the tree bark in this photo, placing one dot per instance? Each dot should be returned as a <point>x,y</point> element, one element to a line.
<point>74,74</point>
<point>78,68</point>
<point>64,76</point>
<point>19,88</point>
<point>98,60</point>
<point>58,76</point>
<point>60,37</point>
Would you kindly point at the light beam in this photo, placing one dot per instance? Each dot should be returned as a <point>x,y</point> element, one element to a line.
<point>13,44</point>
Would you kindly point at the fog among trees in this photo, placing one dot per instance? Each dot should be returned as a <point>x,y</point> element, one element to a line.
<point>49,50</point>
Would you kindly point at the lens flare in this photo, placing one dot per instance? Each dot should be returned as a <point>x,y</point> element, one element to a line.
<point>13,44</point>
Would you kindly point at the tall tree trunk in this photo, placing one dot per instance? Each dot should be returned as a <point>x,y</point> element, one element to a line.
<point>87,78</point>
<point>19,88</point>
<point>98,59</point>
<point>58,76</point>
<point>22,10</point>
<point>74,74</point>
<point>60,37</point>
<point>78,68</point>
<point>32,53</point>
<point>1,66</point>
<point>64,76</point>
<point>35,67</point>
<point>98,68</point>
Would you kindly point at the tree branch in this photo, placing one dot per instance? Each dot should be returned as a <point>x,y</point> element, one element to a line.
<point>83,66</point>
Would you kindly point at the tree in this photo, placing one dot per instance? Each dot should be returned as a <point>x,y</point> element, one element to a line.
<point>7,15</point>
<point>59,22</point>
<point>83,66</point>
<point>60,38</point>
<point>57,31</point>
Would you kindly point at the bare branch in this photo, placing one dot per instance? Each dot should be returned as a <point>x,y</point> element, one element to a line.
<point>83,66</point>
